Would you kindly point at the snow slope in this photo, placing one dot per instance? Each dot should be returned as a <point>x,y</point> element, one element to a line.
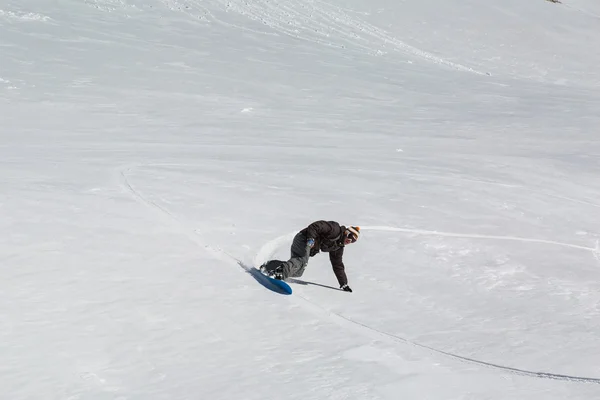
<point>152,152</point>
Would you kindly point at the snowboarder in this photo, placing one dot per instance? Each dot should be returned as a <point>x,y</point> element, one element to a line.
<point>326,236</point>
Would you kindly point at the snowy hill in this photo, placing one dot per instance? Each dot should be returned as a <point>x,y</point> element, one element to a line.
<point>152,152</point>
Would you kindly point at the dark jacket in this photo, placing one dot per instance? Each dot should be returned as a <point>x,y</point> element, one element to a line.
<point>329,238</point>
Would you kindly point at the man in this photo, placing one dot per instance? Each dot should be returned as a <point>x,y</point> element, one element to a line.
<point>326,236</point>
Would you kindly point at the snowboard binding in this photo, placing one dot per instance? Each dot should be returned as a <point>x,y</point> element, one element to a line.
<point>275,273</point>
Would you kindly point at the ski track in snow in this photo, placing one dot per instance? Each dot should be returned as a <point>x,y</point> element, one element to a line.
<point>313,21</point>
<point>370,331</point>
<point>581,10</point>
<point>475,236</point>
<point>269,248</point>
<point>166,216</point>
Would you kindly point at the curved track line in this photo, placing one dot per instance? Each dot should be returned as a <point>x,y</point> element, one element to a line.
<point>581,10</point>
<point>167,216</point>
<point>125,184</point>
<point>587,203</point>
<point>359,326</point>
<point>269,248</point>
<point>475,236</point>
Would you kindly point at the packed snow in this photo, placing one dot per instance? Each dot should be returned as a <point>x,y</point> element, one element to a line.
<point>153,152</point>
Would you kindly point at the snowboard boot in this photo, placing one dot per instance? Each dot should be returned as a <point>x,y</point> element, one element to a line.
<point>277,273</point>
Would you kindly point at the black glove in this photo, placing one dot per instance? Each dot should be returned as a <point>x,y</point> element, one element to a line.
<point>346,288</point>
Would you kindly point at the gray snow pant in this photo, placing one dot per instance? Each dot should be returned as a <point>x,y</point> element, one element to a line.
<point>295,266</point>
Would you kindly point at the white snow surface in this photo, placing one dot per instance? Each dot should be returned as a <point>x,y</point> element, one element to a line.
<point>153,151</point>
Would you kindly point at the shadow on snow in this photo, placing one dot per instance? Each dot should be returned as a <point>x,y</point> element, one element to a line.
<point>301,282</point>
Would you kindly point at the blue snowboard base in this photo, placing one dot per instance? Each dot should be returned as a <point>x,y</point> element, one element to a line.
<point>280,284</point>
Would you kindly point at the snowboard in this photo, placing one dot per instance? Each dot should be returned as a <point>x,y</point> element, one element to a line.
<point>281,285</point>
